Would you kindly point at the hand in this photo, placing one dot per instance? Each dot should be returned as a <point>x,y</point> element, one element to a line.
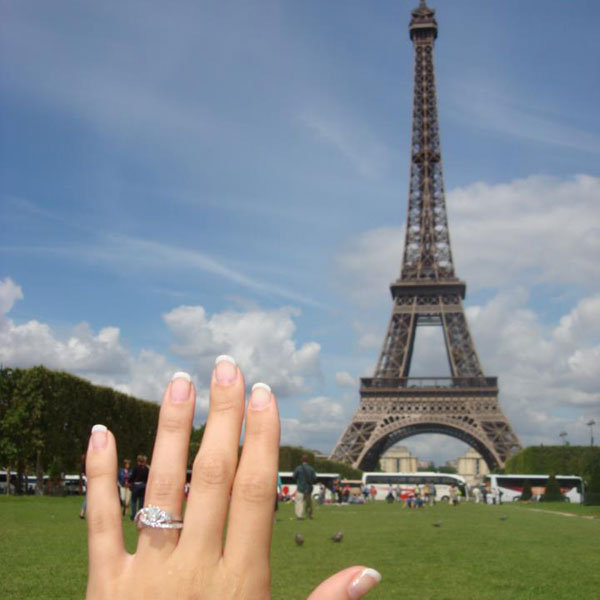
<point>196,562</point>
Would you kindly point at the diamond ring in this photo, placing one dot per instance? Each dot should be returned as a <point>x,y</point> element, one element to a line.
<point>157,518</point>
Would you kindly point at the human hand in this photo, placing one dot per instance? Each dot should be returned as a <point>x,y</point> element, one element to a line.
<point>198,562</point>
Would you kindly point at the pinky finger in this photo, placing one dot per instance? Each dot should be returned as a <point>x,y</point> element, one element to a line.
<point>105,531</point>
<point>350,584</point>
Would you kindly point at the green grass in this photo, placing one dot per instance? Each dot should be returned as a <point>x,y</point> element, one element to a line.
<point>474,554</point>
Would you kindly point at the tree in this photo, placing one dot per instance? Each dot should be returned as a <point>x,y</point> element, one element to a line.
<point>592,493</point>
<point>195,441</point>
<point>552,493</point>
<point>526,493</point>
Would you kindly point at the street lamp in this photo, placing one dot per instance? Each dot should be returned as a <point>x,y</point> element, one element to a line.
<point>563,435</point>
<point>591,424</point>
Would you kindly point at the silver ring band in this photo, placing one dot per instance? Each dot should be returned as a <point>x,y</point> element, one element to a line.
<point>157,518</point>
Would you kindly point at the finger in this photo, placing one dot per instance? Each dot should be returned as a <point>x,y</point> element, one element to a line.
<point>349,584</point>
<point>169,460</point>
<point>251,515</point>
<point>105,531</point>
<point>215,464</point>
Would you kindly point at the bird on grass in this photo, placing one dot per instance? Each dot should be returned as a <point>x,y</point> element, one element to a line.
<point>503,518</point>
<point>338,537</point>
<point>438,523</point>
<point>299,539</point>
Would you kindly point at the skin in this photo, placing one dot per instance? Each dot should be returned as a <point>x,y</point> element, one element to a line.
<point>198,562</point>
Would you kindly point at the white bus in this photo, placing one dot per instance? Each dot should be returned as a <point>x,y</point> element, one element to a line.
<point>288,485</point>
<point>408,483</point>
<point>511,486</point>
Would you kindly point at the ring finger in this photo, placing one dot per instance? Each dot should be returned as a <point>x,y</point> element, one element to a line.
<point>169,460</point>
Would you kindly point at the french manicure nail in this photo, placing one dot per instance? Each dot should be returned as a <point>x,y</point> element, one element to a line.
<point>225,369</point>
<point>366,580</point>
<point>180,387</point>
<point>99,437</point>
<point>261,396</point>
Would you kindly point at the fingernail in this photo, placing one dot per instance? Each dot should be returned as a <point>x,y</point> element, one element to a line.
<point>261,396</point>
<point>367,580</point>
<point>180,387</point>
<point>225,369</point>
<point>99,437</point>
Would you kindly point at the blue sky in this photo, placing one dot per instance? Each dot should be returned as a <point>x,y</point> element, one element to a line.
<point>205,177</point>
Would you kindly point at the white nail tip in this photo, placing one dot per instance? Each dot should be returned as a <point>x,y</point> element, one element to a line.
<point>376,575</point>
<point>181,375</point>
<point>261,386</point>
<point>97,428</point>
<point>226,357</point>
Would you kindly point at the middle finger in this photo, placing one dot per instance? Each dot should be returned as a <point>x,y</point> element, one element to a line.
<point>216,462</point>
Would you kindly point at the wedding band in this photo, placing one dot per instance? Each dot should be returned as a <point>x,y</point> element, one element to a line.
<point>157,518</point>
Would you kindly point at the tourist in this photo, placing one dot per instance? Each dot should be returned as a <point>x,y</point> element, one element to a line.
<point>366,492</point>
<point>305,477</point>
<point>477,494</point>
<point>202,558</point>
<point>139,479</point>
<point>123,482</point>
<point>373,492</point>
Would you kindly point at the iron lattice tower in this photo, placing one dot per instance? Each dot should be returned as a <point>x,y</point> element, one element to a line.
<point>393,405</point>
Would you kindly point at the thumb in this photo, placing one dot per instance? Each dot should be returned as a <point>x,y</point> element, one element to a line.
<point>350,584</point>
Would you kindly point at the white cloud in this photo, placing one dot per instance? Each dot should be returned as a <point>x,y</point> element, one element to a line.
<point>512,239</point>
<point>344,379</point>
<point>535,230</point>
<point>10,292</point>
<point>321,419</point>
<point>260,340</point>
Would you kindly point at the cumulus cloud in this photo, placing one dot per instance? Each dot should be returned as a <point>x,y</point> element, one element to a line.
<point>320,420</point>
<point>344,379</point>
<point>512,239</point>
<point>538,229</point>
<point>260,340</point>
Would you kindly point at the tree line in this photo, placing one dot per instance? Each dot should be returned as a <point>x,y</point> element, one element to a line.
<point>561,460</point>
<point>46,417</point>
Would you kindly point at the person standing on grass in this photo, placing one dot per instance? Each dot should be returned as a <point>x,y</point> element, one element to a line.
<point>83,486</point>
<point>139,479</point>
<point>124,490</point>
<point>305,477</point>
<point>373,492</point>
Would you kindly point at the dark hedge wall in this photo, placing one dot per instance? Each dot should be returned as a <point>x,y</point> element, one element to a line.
<point>562,460</point>
<point>46,417</point>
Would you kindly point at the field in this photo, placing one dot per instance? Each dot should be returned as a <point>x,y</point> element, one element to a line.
<point>474,554</point>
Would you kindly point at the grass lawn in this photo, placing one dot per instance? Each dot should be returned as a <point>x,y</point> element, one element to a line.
<point>473,555</point>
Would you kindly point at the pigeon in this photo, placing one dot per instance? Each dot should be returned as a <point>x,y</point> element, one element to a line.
<point>338,537</point>
<point>438,523</point>
<point>299,539</point>
<point>503,518</point>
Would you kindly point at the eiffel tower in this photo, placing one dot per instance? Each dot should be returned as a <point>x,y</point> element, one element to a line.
<point>394,406</point>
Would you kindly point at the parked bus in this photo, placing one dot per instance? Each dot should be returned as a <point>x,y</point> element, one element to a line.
<point>511,486</point>
<point>408,483</point>
<point>288,484</point>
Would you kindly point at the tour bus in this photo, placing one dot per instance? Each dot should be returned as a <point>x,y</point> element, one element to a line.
<point>288,485</point>
<point>409,481</point>
<point>511,486</point>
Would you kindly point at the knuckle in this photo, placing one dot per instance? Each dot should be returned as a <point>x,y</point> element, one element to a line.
<point>226,400</point>
<point>163,486</point>
<point>173,423</point>
<point>211,470</point>
<point>100,522</point>
<point>255,490</point>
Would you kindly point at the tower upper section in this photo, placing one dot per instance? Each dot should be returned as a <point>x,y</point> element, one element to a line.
<point>427,252</point>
